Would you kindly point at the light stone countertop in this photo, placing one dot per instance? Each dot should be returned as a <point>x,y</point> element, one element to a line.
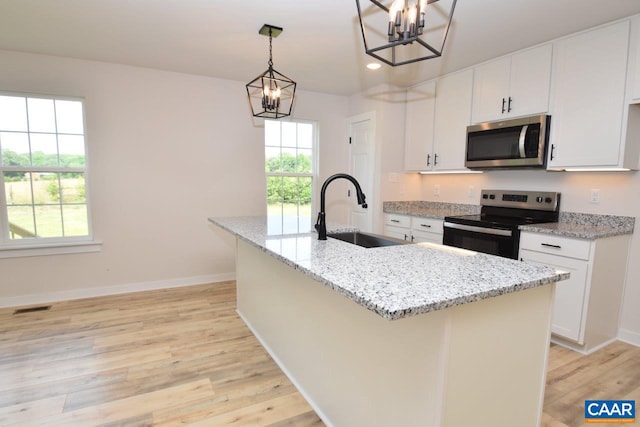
<point>394,281</point>
<point>585,226</point>
<point>570,224</point>
<point>436,210</point>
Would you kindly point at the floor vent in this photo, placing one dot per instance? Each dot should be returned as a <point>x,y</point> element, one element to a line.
<point>32,309</point>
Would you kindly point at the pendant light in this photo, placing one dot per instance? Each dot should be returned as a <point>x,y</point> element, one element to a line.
<point>271,94</point>
<point>405,31</point>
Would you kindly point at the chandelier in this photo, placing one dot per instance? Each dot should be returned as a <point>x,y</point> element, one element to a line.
<point>271,94</point>
<point>405,31</point>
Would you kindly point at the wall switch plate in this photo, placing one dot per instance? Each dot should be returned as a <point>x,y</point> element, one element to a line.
<point>595,196</point>
<point>393,177</point>
<point>436,189</point>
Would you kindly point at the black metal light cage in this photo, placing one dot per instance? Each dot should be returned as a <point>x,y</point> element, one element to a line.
<point>267,79</point>
<point>432,51</point>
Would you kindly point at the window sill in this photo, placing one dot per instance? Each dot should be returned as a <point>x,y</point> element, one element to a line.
<point>19,251</point>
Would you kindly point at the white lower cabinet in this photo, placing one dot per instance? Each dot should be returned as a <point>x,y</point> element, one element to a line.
<point>426,230</point>
<point>413,229</point>
<point>587,305</point>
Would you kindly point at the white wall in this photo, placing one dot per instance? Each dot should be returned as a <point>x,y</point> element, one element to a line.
<point>166,151</point>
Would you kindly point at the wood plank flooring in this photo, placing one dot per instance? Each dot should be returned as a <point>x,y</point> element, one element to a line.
<point>183,357</point>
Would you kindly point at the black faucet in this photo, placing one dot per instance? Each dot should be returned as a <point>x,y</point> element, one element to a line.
<point>321,224</point>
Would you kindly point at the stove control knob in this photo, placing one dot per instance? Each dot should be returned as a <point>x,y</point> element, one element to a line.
<point>539,199</point>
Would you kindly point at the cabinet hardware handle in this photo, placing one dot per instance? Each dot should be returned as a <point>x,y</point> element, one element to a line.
<point>504,101</point>
<point>428,159</point>
<point>509,107</point>
<point>425,225</point>
<point>553,147</point>
<point>435,160</point>
<point>394,220</point>
<point>405,237</point>
<point>412,238</point>
<point>549,245</point>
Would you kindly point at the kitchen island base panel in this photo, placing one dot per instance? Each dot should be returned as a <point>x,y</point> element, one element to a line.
<point>481,363</point>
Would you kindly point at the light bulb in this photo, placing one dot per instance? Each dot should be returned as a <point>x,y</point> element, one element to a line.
<point>394,12</point>
<point>413,13</point>
<point>423,11</point>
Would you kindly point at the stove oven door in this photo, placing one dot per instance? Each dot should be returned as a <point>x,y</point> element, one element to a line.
<point>495,241</point>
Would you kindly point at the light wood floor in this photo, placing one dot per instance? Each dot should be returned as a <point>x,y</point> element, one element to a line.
<point>183,356</point>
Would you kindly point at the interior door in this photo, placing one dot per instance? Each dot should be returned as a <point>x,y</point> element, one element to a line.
<point>361,136</point>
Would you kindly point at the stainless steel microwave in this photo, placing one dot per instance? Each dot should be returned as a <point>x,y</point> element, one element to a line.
<point>512,143</point>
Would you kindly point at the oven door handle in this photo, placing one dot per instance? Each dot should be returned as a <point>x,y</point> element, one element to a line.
<point>523,136</point>
<point>484,230</point>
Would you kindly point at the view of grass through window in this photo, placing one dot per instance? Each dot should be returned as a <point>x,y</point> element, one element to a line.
<point>42,167</point>
<point>289,166</point>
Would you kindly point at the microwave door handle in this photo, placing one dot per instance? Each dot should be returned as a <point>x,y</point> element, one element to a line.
<point>523,136</point>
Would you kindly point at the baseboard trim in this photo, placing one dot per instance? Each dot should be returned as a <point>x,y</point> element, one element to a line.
<point>629,337</point>
<point>31,299</point>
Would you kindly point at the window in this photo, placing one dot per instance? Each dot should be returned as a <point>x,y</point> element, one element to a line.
<point>43,170</point>
<point>290,168</point>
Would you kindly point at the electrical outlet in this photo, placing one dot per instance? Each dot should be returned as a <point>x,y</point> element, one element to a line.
<point>393,177</point>
<point>436,189</point>
<point>595,196</point>
<point>472,191</point>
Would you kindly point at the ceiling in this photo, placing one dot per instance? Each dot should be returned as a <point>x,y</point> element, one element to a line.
<point>321,47</point>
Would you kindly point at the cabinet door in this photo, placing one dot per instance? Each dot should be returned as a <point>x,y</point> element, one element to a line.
<point>588,98</point>
<point>530,82</point>
<point>490,90</point>
<point>397,232</point>
<point>569,303</point>
<point>453,115</point>
<point>514,86</point>
<point>418,139</point>
<point>418,236</point>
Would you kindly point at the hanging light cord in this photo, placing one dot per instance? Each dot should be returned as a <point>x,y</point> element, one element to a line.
<point>270,51</point>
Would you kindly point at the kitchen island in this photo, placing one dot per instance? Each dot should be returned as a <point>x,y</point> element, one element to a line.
<point>418,334</point>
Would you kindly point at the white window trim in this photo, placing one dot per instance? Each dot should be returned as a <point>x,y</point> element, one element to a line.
<point>50,248</point>
<point>49,245</point>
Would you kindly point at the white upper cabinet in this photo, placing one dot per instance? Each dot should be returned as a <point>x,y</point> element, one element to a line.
<point>513,86</point>
<point>453,115</point>
<point>420,112</point>
<point>588,99</point>
<point>437,116</point>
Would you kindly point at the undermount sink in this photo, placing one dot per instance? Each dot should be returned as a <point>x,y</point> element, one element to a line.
<point>366,240</point>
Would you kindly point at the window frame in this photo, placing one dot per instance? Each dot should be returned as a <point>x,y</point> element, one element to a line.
<point>10,248</point>
<point>315,142</point>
